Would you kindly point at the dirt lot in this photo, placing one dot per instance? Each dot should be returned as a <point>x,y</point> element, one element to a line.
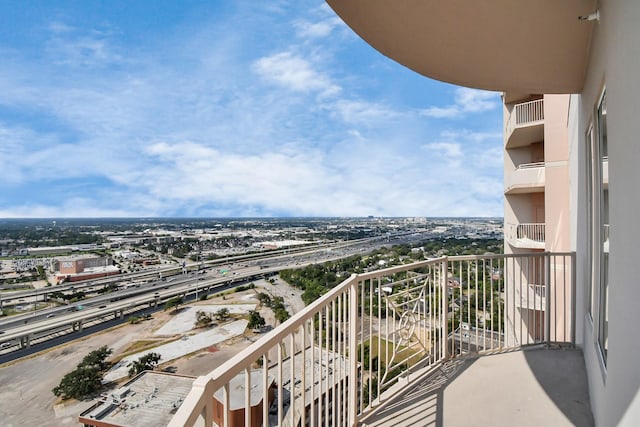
<point>25,386</point>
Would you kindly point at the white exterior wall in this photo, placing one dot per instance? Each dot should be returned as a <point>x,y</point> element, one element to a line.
<point>614,62</point>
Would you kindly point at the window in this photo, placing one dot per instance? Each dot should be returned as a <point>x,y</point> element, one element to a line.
<point>590,244</point>
<point>603,240</point>
<point>598,225</point>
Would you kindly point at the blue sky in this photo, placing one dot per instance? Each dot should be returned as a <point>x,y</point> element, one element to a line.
<point>229,108</point>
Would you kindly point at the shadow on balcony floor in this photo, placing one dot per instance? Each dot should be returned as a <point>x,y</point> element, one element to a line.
<point>536,387</point>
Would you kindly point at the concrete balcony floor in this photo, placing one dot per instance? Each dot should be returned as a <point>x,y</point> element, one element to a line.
<point>535,387</point>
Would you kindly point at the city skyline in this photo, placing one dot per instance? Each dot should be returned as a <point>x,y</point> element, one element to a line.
<point>230,110</point>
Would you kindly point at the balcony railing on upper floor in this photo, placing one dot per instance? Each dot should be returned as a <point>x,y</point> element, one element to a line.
<point>531,165</point>
<point>523,115</point>
<point>526,178</point>
<point>526,235</point>
<point>343,356</point>
<point>531,231</point>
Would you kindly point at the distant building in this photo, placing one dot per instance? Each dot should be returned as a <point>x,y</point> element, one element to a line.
<point>50,250</point>
<point>73,269</point>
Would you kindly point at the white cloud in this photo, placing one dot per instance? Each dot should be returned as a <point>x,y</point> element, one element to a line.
<point>295,73</point>
<point>363,112</point>
<point>475,101</point>
<point>185,128</point>
<point>70,46</point>
<point>313,30</point>
<point>449,149</point>
<point>442,112</point>
<point>466,101</point>
<point>60,27</point>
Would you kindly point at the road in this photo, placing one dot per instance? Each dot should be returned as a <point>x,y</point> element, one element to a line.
<point>25,331</point>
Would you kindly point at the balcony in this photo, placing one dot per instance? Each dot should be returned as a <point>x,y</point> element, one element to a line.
<point>527,178</point>
<point>525,124</point>
<point>526,235</point>
<point>353,356</point>
<point>535,387</point>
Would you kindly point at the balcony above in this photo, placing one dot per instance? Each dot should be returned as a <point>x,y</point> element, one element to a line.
<point>525,124</point>
<point>500,45</point>
<point>526,235</point>
<point>527,178</point>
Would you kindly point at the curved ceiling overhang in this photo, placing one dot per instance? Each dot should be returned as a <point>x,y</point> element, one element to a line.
<point>520,46</point>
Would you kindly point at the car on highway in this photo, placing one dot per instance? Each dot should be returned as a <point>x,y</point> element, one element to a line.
<point>5,345</point>
<point>103,306</point>
<point>49,316</point>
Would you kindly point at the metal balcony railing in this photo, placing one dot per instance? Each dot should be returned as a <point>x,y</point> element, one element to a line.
<point>531,231</point>
<point>524,114</point>
<point>529,112</point>
<point>530,165</point>
<point>347,353</point>
<point>526,235</point>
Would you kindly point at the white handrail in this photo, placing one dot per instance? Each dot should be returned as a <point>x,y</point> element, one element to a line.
<point>531,231</point>
<point>529,112</point>
<point>530,165</point>
<point>525,113</point>
<point>346,353</point>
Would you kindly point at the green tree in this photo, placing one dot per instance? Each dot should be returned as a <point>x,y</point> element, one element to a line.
<point>97,358</point>
<point>148,362</point>
<point>264,299</point>
<point>255,320</point>
<point>281,314</point>
<point>202,319</point>
<point>42,275</point>
<point>222,314</point>
<point>83,382</point>
<point>174,303</point>
<point>86,379</point>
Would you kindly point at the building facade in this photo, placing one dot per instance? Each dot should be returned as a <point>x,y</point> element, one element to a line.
<point>571,183</point>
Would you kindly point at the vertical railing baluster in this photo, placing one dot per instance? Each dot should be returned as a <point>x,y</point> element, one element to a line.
<point>476,309</point>
<point>573,297</point>
<point>379,340</point>
<point>227,402</point>
<point>338,354</point>
<point>353,349</point>
<point>444,299</point>
<point>364,312</point>
<point>312,402</point>
<point>292,378</point>
<point>547,317</point>
<point>326,367</point>
<point>304,402</point>
<point>468,299</point>
<point>247,397</point>
<point>280,389</point>
<point>265,390</point>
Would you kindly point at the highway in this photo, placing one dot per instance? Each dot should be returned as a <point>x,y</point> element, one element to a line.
<point>166,271</point>
<point>19,333</point>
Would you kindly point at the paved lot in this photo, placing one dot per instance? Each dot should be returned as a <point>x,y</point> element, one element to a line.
<point>25,386</point>
<point>183,322</point>
<point>181,347</point>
